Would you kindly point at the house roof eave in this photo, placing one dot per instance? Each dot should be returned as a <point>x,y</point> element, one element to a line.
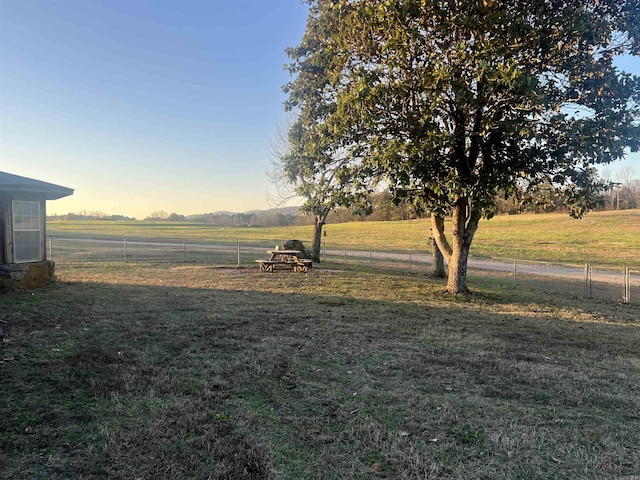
<point>16,183</point>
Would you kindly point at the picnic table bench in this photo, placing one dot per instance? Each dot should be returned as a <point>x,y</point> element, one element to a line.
<point>285,259</point>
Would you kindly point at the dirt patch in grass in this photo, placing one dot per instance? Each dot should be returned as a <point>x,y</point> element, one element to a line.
<point>193,372</point>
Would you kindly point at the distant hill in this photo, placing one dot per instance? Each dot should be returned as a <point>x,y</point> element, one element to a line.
<point>283,211</point>
<point>219,212</point>
<point>258,218</point>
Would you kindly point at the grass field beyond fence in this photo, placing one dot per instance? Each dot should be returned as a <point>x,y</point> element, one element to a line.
<point>183,371</point>
<point>598,256</point>
<point>601,238</point>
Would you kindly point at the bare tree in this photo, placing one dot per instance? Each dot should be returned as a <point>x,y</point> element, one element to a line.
<point>279,148</point>
<point>628,189</point>
<point>158,215</point>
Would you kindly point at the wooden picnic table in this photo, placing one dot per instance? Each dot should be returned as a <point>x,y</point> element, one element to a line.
<point>287,259</point>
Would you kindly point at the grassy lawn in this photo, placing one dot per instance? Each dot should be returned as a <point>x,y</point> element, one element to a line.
<point>601,238</point>
<point>145,371</point>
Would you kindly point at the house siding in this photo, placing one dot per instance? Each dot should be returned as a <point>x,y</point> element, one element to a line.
<point>3,228</point>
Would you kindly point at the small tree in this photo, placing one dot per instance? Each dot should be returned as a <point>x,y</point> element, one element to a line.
<point>313,167</point>
<point>297,175</point>
<point>325,185</point>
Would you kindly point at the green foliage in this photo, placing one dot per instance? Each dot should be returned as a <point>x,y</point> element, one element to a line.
<point>460,99</point>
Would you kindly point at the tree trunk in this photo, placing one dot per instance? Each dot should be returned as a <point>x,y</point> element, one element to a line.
<point>465,221</point>
<point>437,259</point>
<point>438,270</point>
<point>457,279</point>
<point>318,223</point>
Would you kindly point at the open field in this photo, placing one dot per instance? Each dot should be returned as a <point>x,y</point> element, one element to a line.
<point>187,371</point>
<point>601,238</point>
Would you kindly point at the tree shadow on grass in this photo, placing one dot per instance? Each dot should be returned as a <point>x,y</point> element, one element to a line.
<point>248,380</point>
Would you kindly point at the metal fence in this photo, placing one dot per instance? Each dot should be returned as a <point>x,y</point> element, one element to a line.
<point>589,281</point>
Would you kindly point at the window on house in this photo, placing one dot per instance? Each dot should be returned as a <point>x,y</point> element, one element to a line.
<point>27,230</point>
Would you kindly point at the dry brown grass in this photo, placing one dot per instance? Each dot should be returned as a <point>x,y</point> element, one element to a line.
<point>174,371</point>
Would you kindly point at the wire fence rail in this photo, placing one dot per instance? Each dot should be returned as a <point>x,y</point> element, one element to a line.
<point>620,284</point>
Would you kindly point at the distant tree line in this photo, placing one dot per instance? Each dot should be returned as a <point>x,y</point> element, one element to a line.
<point>85,215</point>
<point>623,194</point>
<point>625,191</point>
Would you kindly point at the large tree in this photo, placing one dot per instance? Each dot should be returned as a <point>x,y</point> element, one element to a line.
<point>452,101</point>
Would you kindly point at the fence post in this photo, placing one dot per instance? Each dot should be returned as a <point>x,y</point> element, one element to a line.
<point>369,254</point>
<point>345,253</point>
<point>410,262</point>
<point>184,249</point>
<point>238,248</point>
<point>515,272</point>
<point>125,249</point>
<point>627,285</point>
<point>587,280</point>
<point>50,251</point>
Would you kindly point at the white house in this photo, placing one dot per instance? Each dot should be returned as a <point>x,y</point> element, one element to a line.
<point>23,213</point>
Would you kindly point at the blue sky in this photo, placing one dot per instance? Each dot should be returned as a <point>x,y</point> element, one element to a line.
<point>148,105</point>
<point>143,106</point>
